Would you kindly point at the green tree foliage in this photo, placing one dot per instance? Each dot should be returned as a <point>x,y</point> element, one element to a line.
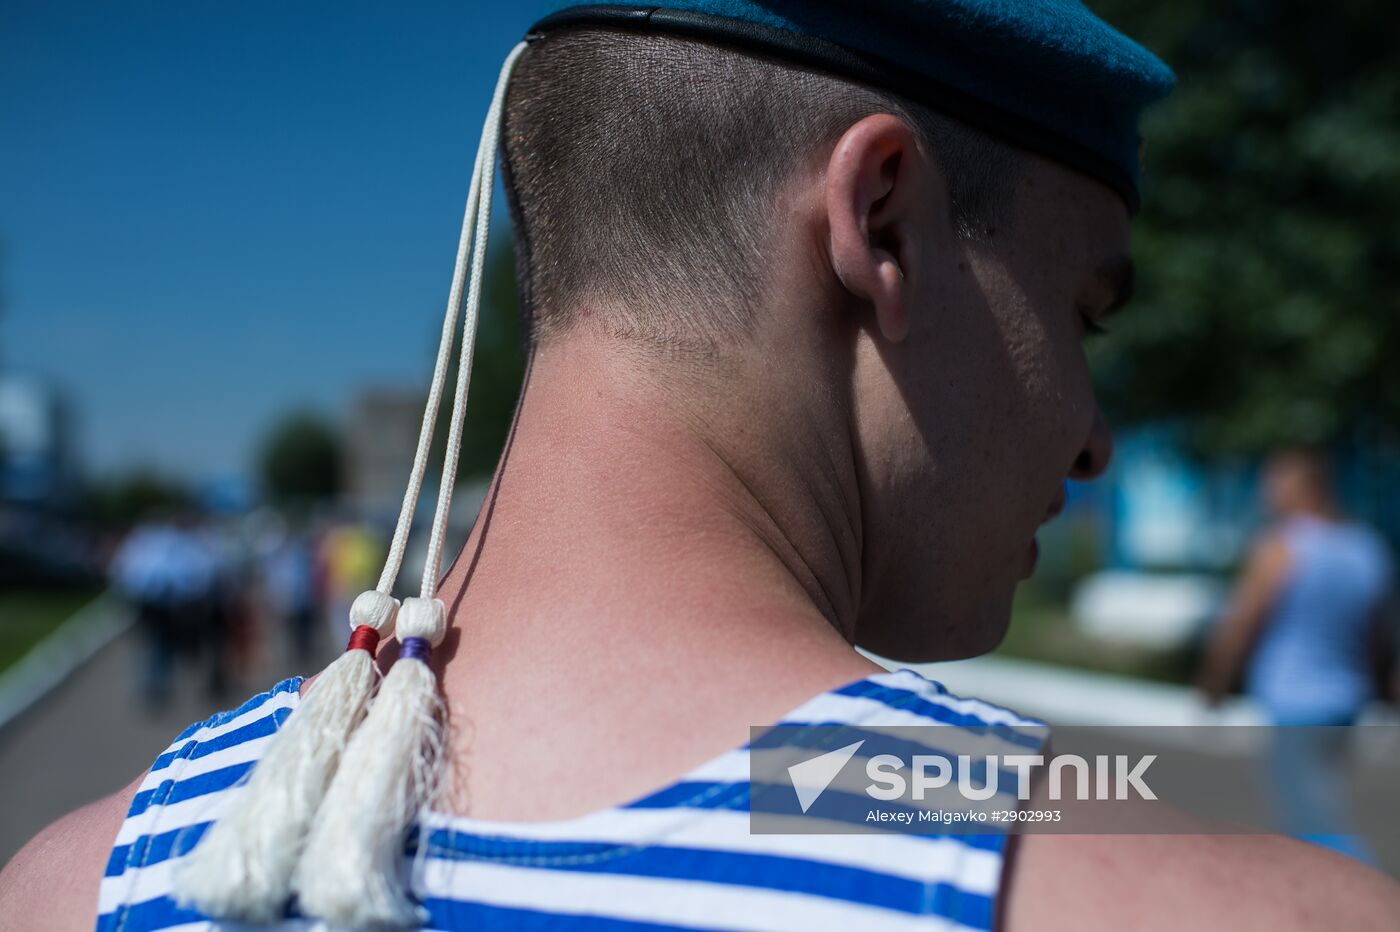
<point>120,502</point>
<point>301,460</point>
<point>1268,245</point>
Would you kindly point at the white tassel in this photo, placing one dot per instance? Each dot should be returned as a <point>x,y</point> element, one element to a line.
<point>243,866</point>
<point>352,872</point>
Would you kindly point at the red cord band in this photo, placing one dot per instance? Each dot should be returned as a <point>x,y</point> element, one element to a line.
<point>364,638</point>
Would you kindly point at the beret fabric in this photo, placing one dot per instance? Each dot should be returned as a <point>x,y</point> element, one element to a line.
<point>1046,75</point>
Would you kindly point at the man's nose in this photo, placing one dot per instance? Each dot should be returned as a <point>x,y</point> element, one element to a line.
<point>1098,450</point>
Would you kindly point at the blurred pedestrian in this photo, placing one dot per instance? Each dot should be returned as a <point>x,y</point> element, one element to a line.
<point>290,577</point>
<point>232,640</point>
<point>1305,629</point>
<point>167,572</point>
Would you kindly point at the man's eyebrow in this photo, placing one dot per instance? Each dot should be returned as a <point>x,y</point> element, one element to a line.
<point>1118,276</point>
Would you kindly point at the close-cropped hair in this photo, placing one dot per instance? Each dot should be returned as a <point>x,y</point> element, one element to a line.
<point>643,173</point>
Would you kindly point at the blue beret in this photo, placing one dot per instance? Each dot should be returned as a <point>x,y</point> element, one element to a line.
<point>1046,75</point>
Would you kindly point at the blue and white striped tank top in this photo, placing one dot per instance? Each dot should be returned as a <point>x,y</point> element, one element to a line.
<point>682,857</point>
<point>1312,662</point>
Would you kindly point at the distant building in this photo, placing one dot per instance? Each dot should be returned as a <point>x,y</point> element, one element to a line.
<point>37,465</point>
<point>381,437</point>
<point>380,440</point>
<point>40,543</point>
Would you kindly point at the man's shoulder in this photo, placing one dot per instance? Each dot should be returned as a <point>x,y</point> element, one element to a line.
<point>1149,882</point>
<point>53,882</point>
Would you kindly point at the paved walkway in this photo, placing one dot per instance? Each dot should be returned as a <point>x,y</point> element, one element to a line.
<point>91,736</point>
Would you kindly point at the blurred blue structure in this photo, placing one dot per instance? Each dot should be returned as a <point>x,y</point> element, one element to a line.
<point>37,463</point>
<point>1171,512</point>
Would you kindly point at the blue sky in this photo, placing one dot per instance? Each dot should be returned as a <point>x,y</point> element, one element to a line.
<point>213,212</point>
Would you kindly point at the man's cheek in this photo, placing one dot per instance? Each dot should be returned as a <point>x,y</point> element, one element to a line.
<point>1068,413</point>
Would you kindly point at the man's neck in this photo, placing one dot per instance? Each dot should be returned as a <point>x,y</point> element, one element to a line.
<point>620,546</point>
<point>614,498</point>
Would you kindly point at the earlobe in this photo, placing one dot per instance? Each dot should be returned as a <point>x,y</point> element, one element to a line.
<point>874,190</point>
<point>891,313</point>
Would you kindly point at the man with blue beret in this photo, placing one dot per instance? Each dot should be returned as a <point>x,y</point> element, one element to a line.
<point>806,285</point>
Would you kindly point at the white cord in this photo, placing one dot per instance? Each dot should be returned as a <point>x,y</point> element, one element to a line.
<point>398,545</point>
<point>484,179</point>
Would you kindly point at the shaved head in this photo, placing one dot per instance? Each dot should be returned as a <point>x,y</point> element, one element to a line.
<point>643,174</point>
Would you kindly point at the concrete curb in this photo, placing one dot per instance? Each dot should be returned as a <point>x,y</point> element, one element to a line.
<point>1065,696</point>
<point>49,662</point>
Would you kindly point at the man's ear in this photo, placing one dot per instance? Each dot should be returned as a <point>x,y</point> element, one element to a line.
<point>881,197</point>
